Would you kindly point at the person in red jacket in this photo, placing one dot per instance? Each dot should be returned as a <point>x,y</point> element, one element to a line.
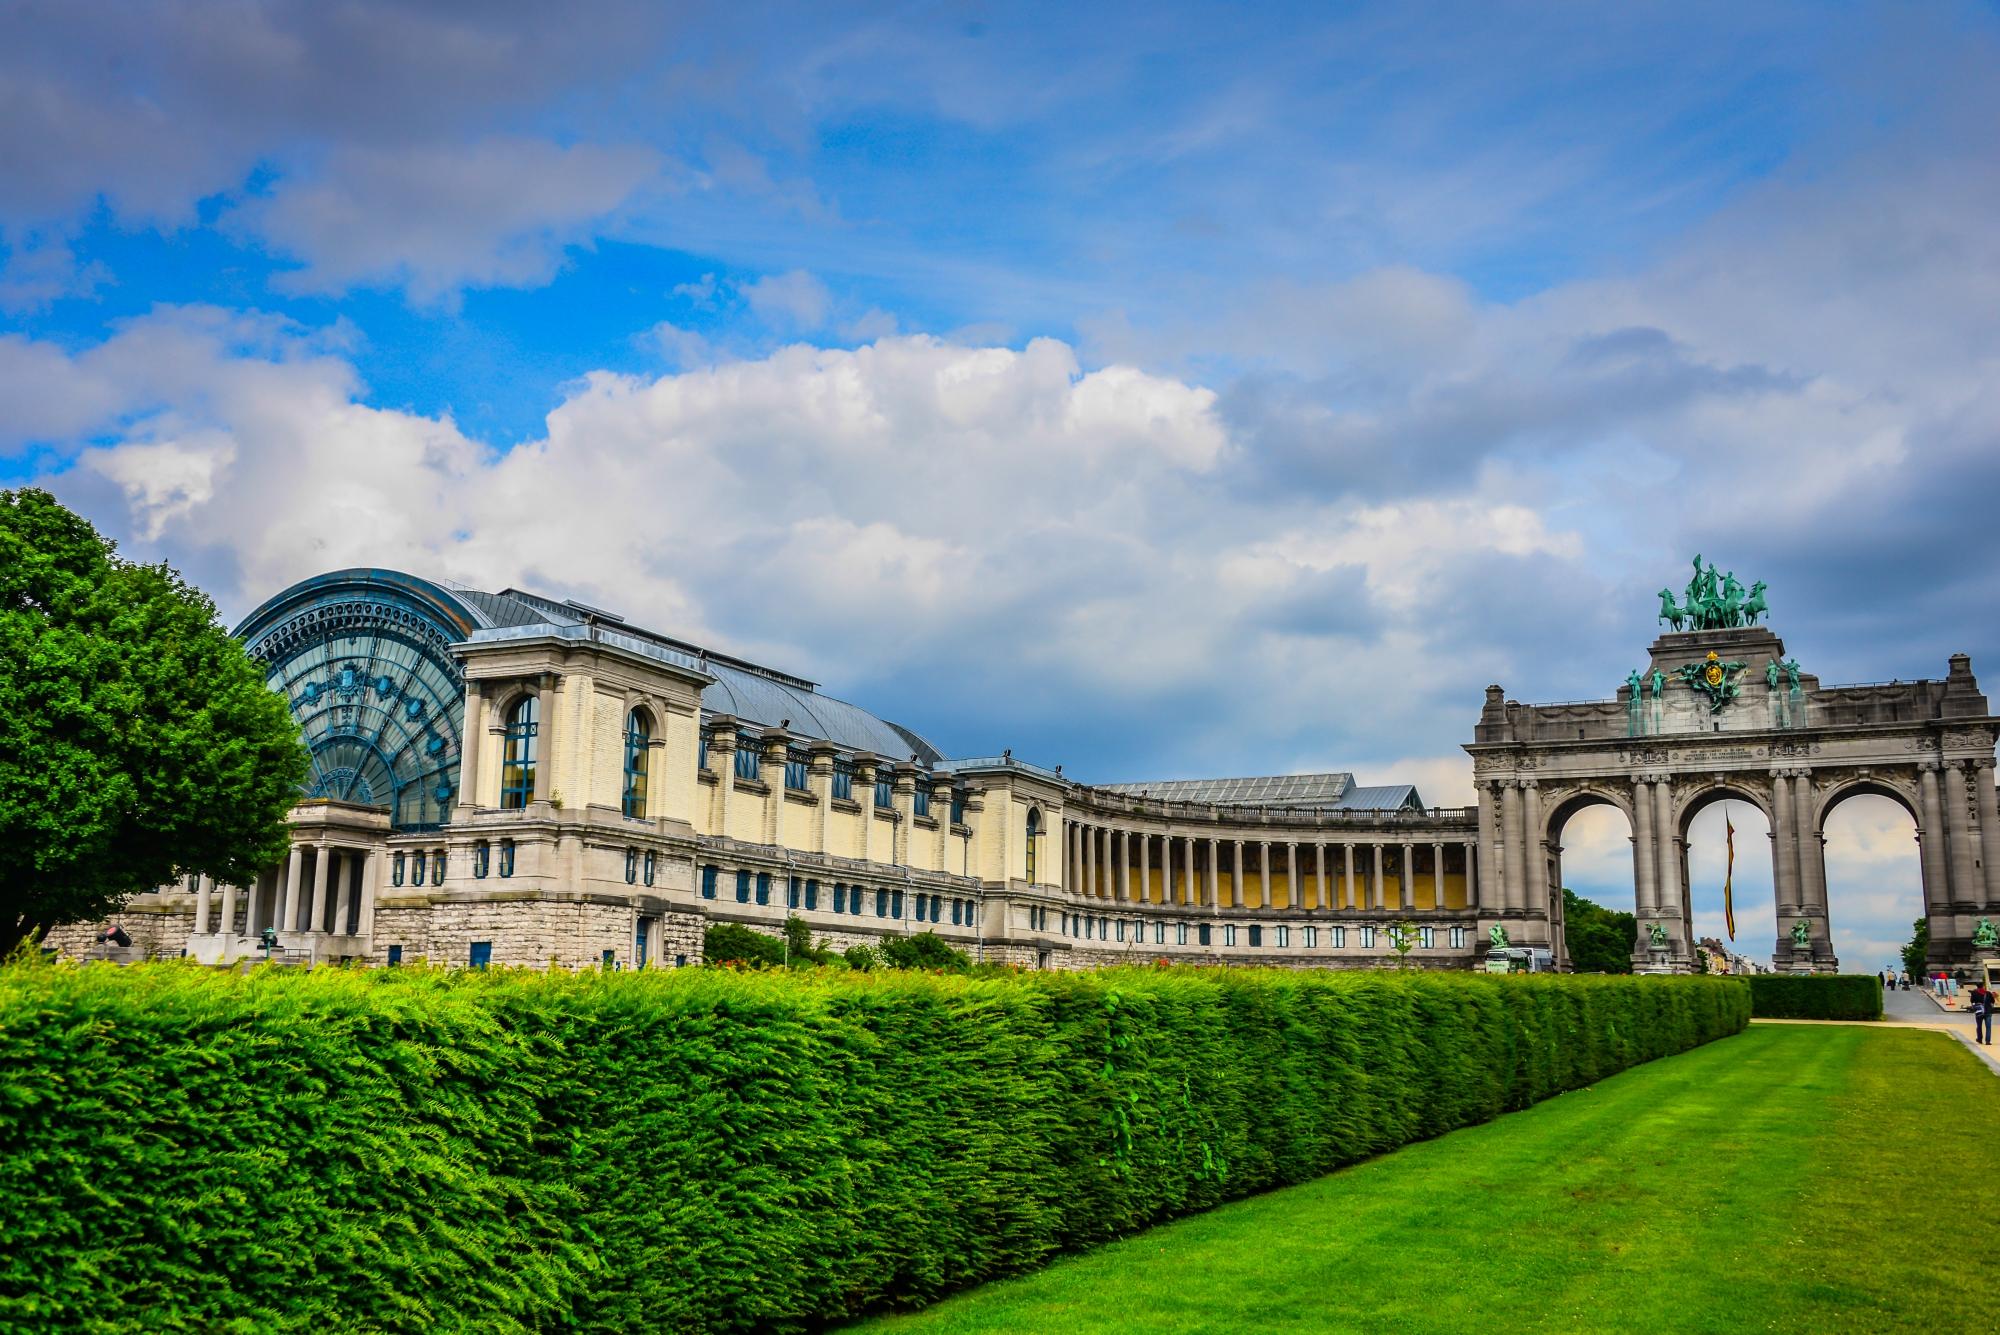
<point>1982,1013</point>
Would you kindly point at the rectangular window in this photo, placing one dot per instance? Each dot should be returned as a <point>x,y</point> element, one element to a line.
<point>884,793</point>
<point>792,889</point>
<point>812,896</point>
<point>708,875</point>
<point>482,857</point>
<point>795,773</point>
<point>1256,936</point>
<point>639,952</point>
<point>1180,933</point>
<point>481,954</point>
<point>1159,934</point>
<point>843,780</point>
<point>1121,929</point>
<point>417,867</point>
<point>923,801</point>
<point>1202,934</point>
<point>1427,937</point>
<point>881,903</point>
<point>610,959</point>
<point>746,761</point>
<point>1229,935</point>
<point>506,857</point>
<point>839,897</point>
<point>1367,937</point>
<point>955,912</point>
<point>396,869</point>
<point>895,903</point>
<point>1281,937</point>
<point>743,887</point>
<point>649,866</point>
<point>763,887</point>
<point>395,955</point>
<point>1312,937</point>
<point>1065,924</point>
<point>701,752</point>
<point>1458,938</point>
<point>957,807</point>
<point>1336,937</point>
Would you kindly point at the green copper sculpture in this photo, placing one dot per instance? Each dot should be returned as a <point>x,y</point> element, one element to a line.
<point>1497,937</point>
<point>1656,936</point>
<point>1714,601</point>
<point>1771,674</point>
<point>1713,678</point>
<point>1659,683</point>
<point>1801,935</point>
<point>1985,936</point>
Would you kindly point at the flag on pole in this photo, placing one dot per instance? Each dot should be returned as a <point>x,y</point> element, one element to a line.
<point>1728,875</point>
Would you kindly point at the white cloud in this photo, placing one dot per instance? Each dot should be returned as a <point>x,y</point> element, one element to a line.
<point>794,300</point>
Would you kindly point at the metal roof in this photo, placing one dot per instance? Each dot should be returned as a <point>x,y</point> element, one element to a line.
<point>1276,790</point>
<point>1383,797</point>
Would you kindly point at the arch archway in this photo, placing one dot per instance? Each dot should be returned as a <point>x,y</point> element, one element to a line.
<point>1590,849</point>
<point>1726,840</point>
<point>1870,848</point>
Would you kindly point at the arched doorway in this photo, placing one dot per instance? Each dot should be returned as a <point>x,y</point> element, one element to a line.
<point>1728,870</point>
<point>1871,850</point>
<point>1591,856</point>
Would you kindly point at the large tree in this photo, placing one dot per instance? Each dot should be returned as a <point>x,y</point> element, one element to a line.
<point>1600,939</point>
<point>138,741</point>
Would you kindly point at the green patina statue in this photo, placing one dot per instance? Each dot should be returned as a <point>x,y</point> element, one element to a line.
<point>1635,682</point>
<point>1656,936</point>
<point>1801,935</point>
<point>1713,601</point>
<point>1497,937</point>
<point>1771,674</point>
<point>1792,674</point>
<point>1985,936</point>
<point>1659,683</point>
<point>1713,678</point>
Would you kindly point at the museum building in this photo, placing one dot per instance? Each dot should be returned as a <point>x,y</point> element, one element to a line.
<point>504,778</point>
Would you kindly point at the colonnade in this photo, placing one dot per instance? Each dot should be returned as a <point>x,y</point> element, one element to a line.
<point>1118,864</point>
<point>323,887</point>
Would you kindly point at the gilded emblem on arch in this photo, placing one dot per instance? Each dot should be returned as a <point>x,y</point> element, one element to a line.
<point>1713,679</point>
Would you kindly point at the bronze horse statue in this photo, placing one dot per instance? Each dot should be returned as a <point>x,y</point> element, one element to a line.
<point>1670,613</point>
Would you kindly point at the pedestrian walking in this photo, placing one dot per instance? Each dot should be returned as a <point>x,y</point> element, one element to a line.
<point>1982,1013</point>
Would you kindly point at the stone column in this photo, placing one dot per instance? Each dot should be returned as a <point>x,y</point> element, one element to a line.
<point>1989,828</point>
<point>1489,896</point>
<point>469,745</point>
<point>1188,894</point>
<point>1931,839</point>
<point>1645,859</point>
<point>343,896</point>
<point>1514,889</point>
<point>371,889</point>
<point>545,718</point>
<point>1294,890</point>
<point>1437,876</point>
<point>1475,868</point>
<point>1144,893</point>
<point>1072,855</point>
<point>1264,873</point>
<point>1812,853</point>
<point>1236,895</point>
<point>1214,850</point>
<point>326,865</point>
<point>1667,878</point>
<point>1319,875</point>
<point>202,885</point>
<point>253,893</point>
<point>1406,882</point>
<point>1784,848</point>
<point>228,925</point>
<point>1378,895</point>
<point>1347,898</point>
<point>1967,892</point>
<point>288,910</point>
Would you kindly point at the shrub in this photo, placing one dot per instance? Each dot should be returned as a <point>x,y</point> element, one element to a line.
<point>733,943</point>
<point>415,1149</point>
<point>1787,996</point>
<point>860,958</point>
<point>925,950</point>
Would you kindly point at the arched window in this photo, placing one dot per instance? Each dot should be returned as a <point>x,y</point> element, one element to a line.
<point>637,736</point>
<point>517,763</point>
<point>1034,837</point>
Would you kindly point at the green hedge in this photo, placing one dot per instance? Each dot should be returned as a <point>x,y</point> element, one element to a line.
<point>406,1149</point>
<point>1790,996</point>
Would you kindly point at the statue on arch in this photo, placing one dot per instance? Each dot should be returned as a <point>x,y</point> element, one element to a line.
<point>1659,683</point>
<point>1771,674</point>
<point>1754,606</point>
<point>1792,675</point>
<point>1635,683</point>
<point>1670,613</point>
<point>1985,936</point>
<point>1732,600</point>
<point>1656,936</point>
<point>1496,936</point>
<point>1801,935</point>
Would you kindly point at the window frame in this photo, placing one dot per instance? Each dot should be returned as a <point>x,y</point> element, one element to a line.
<point>638,751</point>
<point>520,748</point>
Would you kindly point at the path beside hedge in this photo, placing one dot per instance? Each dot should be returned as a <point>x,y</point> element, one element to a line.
<point>1785,1179</point>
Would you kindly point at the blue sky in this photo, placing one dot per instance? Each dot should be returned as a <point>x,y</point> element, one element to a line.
<point>1157,390</point>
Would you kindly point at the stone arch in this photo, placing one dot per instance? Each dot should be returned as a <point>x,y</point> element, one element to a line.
<point>1898,789</point>
<point>1862,785</point>
<point>1565,805</point>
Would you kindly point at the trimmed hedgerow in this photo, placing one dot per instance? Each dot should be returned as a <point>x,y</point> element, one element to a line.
<point>702,1149</point>
<point>1845,996</point>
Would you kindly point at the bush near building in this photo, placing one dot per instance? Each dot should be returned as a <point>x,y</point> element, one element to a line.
<point>1780,996</point>
<point>418,1149</point>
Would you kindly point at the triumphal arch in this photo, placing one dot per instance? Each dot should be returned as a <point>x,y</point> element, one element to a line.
<point>1719,712</point>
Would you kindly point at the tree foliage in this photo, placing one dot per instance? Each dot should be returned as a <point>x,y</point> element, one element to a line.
<point>925,950</point>
<point>138,741</point>
<point>1920,946</point>
<point>1600,939</point>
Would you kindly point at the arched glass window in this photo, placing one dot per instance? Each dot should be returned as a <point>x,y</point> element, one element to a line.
<point>1034,837</point>
<point>517,763</point>
<point>637,735</point>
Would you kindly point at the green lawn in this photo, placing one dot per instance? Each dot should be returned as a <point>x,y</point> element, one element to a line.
<point>1797,1177</point>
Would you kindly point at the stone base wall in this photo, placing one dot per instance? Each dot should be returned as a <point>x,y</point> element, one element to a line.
<point>533,931</point>
<point>159,930</point>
